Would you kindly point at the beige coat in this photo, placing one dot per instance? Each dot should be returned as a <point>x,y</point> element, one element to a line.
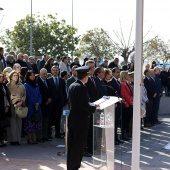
<point>17,94</point>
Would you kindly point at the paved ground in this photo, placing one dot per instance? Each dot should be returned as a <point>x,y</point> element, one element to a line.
<point>44,156</point>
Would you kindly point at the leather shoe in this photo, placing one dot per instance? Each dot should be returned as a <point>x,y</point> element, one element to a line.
<point>59,136</point>
<point>86,154</point>
<point>47,139</point>
<point>120,141</point>
<point>148,125</point>
<point>117,143</point>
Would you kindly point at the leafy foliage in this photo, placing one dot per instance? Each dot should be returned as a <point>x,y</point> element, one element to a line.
<point>96,43</point>
<point>157,49</point>
<point>49,36</point>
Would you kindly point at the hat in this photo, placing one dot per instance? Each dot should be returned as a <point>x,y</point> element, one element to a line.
<point>83,69</point>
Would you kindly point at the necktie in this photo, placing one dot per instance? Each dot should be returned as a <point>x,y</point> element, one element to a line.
<point>56,82</point>
<point>92,79</point>
<point>118,83</point>
<point>45,83</point>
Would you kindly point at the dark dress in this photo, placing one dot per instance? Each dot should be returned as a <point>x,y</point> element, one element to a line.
<point>3,92</point>
<point>33,97</point>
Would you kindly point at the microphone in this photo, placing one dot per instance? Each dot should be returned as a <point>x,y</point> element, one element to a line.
<point>117,95</point>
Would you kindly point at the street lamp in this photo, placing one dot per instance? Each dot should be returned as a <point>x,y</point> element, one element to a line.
<point>31,31</point>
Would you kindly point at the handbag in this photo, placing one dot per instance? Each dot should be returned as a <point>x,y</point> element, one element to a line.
<point>36,117</point>
<point>5,123</point>
<point>22,113</point>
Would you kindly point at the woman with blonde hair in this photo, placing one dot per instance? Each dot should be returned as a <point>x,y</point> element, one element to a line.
<point>127,95</point>
<point>17,99</point>
<point>6,73</point>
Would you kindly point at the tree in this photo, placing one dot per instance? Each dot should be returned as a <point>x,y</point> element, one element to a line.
<point>157,49</point>
<point>95,43</point>
<point>49,36</point>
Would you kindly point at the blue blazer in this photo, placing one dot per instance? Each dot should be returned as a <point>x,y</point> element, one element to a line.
<point>33,96</point>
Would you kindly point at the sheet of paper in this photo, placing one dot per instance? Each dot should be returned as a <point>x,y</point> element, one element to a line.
<point>103,99</point>
<point>167,146</point>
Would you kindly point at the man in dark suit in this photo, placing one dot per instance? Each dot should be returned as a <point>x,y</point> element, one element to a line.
<point>79,118</point>
<point>115,84</point>
<point>151,94</point>
<point>43,61</point>
<point>73,78</point>
<point>45,91</point>
<point>34,66</point>
<point>99,74</point>
<point>156,101</point>
<point>92,89</point>
<point>20,60</point>
<point>59,99</point>
<point>114,63</point>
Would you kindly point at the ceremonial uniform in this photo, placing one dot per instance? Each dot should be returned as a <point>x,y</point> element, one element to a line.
<point>78,122</point>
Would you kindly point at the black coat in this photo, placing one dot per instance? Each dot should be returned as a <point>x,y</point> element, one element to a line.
<point>80,109</point>
<point>92,90</point>
<point>48,67</point>
<point>35,68</point>
<point>46,93</point>
<point>149,88</point>
<point>102,88</point>
<point>116,87</point>
<point>59,96</point>
<point>70,81</point>
<point>2,105</point>
<point>22,63</point>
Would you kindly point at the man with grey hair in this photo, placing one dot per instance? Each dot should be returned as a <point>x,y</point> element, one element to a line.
<point>25,58</point>
<point>114,63</point>
<point>20,61</point>
<point>45,91</point>
<point>43,61</point>
<point>156,101</point>
<point>33,65</point>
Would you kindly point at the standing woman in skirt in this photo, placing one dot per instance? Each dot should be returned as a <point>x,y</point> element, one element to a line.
<point>17,99</point>
<point>33,102</point>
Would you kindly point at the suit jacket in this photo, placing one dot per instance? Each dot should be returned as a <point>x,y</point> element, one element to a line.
<point>149,88</point>
<point>116,87</point>
<point>34,67</point>
<point>80,109</point>
<point>22,63</point>
<point>126,94</point>
<point>59,96</point>
<point>45,94</point>
<point>102,89</point>
<point>70,81</point>
<point>92,90</point>
<point>158,83</point>
<point>41,64</point>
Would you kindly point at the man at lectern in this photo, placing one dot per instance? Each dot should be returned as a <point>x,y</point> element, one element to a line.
<point>78,122</point>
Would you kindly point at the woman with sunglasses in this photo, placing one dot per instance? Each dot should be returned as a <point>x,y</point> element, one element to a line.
<point>4,107</point>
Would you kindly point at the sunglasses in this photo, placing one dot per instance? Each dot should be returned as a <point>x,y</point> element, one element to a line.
<point>1,76</point>
<point>9,71</point>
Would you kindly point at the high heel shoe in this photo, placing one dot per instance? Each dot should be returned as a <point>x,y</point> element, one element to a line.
<point>29,142</point>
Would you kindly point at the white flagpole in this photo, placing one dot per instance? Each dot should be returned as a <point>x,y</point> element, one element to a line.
<point>137,87</point>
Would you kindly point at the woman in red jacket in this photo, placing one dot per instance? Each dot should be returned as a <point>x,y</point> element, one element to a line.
<point>127,95</point>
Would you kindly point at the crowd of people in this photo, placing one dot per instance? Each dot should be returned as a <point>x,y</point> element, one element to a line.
<point>42,86</point>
